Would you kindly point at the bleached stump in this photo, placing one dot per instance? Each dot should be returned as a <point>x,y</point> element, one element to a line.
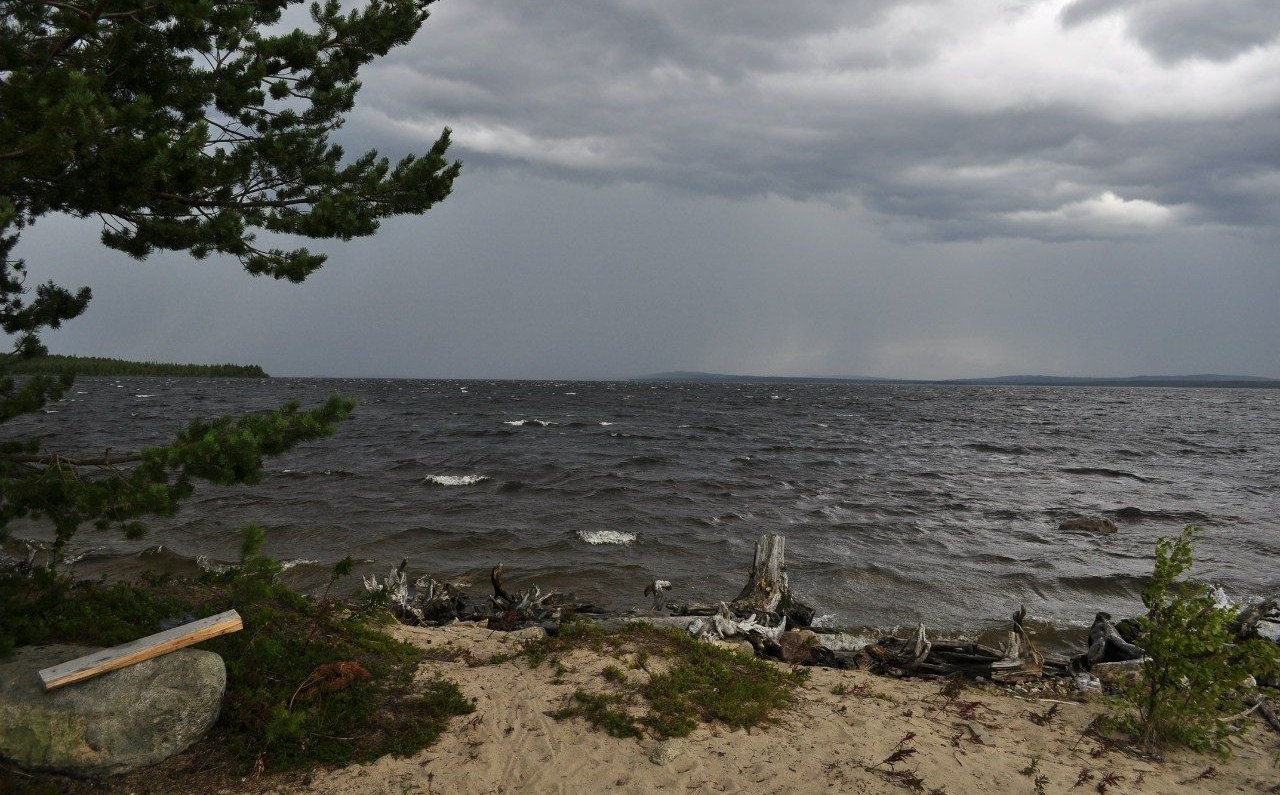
<point>767,590</point>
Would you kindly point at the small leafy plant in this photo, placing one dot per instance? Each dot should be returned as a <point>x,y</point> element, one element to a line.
<point>1195,668</point>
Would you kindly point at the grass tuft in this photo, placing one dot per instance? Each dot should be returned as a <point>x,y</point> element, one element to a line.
<point>696,683</point>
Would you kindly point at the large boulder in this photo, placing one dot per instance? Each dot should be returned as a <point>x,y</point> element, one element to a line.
<point>126,719</point>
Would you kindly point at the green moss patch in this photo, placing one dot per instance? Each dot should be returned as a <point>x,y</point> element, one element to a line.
<point>681,682</point>
<point>307,684</point>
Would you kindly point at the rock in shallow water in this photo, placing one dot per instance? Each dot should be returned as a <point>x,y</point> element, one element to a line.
<point>120,721</point>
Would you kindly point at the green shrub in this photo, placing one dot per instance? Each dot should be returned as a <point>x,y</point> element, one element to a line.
<point>307,684</point>
<point>1193,676</point>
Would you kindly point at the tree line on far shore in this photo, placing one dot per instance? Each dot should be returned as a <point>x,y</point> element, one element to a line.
<point>99,366</point>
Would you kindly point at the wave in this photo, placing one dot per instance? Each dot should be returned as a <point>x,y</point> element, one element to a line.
<point>303,473</point>
<point>985,447</point>
<point>644,461</point>
<point>455,480</point>
<point>1186,517</point>
<point>1106,473</point>
<point>1118,584</point>
<point>539,423</point>
<point>615,537</point>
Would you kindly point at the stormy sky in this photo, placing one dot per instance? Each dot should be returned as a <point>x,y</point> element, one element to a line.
<point>924,189</point>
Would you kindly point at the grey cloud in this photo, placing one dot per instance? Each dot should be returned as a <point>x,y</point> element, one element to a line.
<point>1175,30</point>
<point>699,97</point>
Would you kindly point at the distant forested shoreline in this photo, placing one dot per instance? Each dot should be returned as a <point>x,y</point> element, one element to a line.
<point>99,366</point>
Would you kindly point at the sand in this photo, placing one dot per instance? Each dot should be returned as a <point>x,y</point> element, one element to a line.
<point>986,740</point>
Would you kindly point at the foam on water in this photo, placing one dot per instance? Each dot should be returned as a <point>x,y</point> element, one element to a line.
<point>617,537</point>
<point>542,423</point>
<point>455,480</point>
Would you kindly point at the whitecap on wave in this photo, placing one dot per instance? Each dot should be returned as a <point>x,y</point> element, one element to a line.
<point>607,537</point>
<point>455,480</point>
<point>543,423</point>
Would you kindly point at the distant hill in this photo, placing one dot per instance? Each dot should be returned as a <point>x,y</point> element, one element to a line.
<point>97,366</point>
<point>1203,380</point>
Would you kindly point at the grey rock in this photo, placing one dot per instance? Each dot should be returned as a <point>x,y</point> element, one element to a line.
<point>1269,629</point>
<point>117,722</point>
<point>798,645</point>
<point>666,752</point>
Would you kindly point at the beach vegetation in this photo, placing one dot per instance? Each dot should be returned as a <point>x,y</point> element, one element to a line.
<point>307,685</point>
<point>1194,674</point>
<point>689,682</point>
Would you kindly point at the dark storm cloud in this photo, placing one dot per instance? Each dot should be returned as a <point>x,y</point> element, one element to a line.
<point>954,118</point>
<point>927,188</point>
<point>1174,30</point>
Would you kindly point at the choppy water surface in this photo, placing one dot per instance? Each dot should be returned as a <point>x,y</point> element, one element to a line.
<point>898,502</point>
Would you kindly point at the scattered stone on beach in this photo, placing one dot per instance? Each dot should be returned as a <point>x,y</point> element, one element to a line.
<point>667,751</point>
<point>1089,524</point>
<point>123,720</point>
<point>1117,676</point>
<point>798,645</point>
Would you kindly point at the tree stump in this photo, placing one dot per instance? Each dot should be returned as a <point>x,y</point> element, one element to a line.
<point>767,590</point>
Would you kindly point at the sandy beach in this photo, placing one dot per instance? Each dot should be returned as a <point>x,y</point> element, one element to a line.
<point>985,740</point>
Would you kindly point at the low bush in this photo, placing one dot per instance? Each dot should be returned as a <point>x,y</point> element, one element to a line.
<point>307,684</point>
<point>1193,677</point>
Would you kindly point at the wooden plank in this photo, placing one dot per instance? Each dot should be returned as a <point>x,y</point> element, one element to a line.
<point>126,654</point>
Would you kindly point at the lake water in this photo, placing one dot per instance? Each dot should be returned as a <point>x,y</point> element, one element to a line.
<point>899,503</point>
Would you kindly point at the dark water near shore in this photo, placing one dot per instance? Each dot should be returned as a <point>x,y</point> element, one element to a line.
<point>899,503</point>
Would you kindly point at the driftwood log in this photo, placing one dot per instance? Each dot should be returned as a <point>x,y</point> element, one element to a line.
<point>1107,645</point>
<point>1017,660</point>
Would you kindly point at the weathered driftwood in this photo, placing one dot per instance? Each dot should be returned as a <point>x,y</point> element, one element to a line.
<point>767,590</point>
<point>521,609</point>
<point>1261,620</point>
<point>657,591</point>
<point>1106,644</point>
<point>725,624</point>
<point>1018,659</point>
<point>425,602</point>
<point>1268,714</point>
<point>126,654</point>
